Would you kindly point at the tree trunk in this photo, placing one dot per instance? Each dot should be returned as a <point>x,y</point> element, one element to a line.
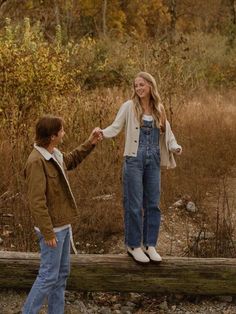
<point>233,10</point>
<point>104,13</point>
<point>57,13</point>
<point>90,272</point>
<point>173,15</point>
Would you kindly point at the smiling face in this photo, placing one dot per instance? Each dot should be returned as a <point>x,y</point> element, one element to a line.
<point>142,88</point>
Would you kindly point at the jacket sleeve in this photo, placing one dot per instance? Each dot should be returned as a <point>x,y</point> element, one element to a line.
<point>36,191</point>
<point>117,125</point>
<point>75,157</point>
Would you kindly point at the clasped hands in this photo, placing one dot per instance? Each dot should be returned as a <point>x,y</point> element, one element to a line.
<point>96,136</point>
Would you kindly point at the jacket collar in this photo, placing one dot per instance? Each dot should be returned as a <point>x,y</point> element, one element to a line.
<point>45,153</point>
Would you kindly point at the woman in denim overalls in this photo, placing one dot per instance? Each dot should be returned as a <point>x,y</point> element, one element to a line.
<point>145,121</point>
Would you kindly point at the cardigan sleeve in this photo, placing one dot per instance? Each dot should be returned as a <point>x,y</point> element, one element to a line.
<point>168,146</point>
<point>117,125</point>
<point>170,138</point>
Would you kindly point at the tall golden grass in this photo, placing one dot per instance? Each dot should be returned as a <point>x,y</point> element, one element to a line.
<point>76,81</point>
<point>203,125</point>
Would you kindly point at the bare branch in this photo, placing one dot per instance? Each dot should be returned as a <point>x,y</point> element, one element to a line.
<point>2,2</point>
<point>104,12</point>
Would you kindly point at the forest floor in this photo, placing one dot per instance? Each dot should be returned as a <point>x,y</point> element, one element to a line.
<point>179,231</point>
<point>176,224</point>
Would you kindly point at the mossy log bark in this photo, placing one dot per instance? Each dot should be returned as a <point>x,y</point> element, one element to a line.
<point>90,272</point>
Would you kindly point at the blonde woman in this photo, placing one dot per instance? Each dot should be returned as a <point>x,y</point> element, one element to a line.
<point>149,144</point>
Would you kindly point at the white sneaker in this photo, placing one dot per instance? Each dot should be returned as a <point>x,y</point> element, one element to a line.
<point>138,255</point>
<point>151,252</point>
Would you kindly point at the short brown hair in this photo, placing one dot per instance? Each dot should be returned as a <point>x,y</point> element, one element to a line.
<point>47,126</point>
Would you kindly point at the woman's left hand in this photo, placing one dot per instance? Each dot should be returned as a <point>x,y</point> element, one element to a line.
<point>178,151</point>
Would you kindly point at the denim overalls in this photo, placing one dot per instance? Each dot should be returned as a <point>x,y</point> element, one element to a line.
<point>141,184</point>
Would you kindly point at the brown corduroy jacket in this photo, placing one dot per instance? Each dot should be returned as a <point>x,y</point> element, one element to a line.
<point>51,200</point>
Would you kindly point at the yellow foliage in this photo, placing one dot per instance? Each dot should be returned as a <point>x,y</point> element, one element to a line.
<point>37,77</point>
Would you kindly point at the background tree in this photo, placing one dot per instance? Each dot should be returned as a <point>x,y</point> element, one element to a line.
<point>233,11</point>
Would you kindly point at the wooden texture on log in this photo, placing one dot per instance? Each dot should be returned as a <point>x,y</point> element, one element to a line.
<point>93,272</point>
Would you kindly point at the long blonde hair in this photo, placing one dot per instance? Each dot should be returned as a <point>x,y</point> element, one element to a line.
<point>158,111</point>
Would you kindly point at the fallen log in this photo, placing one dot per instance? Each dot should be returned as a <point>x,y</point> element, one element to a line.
<point>93,272</point>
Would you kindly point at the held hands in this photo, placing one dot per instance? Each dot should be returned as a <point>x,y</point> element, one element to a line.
<point>96,136</point>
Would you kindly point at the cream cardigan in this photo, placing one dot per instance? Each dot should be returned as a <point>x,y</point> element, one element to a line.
<point>126,116</point>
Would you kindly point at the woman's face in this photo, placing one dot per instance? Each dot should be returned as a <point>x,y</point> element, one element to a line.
<point>142,87</point>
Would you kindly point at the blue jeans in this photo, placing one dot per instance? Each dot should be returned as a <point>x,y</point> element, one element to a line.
<point>51,280</point>
<point>141,190</point>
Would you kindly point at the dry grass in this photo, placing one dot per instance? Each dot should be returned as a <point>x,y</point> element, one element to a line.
<point>207,130</point>
<point>204,126</point>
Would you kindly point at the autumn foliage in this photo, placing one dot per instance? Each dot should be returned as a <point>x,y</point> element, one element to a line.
<point>80,65</point>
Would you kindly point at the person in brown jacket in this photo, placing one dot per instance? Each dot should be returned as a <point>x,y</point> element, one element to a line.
<point>53,208</point>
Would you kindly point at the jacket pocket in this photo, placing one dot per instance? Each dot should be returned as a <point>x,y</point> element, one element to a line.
<point>53,185</point>
<point>52,173</point>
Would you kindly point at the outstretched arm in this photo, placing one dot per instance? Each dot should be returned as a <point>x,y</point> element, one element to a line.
<point>117,125</point>
<point>75,157</point>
